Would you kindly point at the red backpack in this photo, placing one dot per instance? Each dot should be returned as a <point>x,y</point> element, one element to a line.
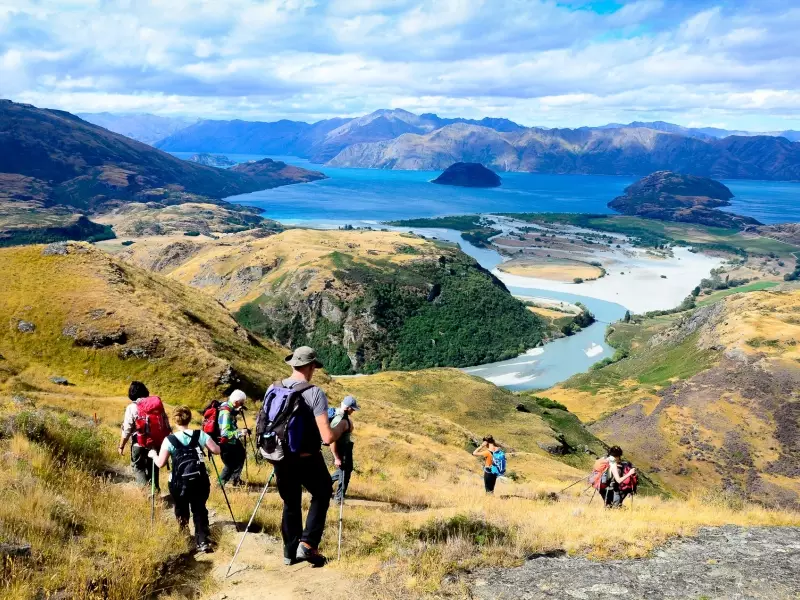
<point>151,423</point>
<point>211,419</point>
<point>631,483</point>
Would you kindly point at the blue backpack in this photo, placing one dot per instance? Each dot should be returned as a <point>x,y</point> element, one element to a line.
<point>499,462</point>
<point>284,424</point>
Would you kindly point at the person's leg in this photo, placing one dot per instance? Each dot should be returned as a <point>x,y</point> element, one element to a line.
<point>197,502</point>
<point>230,456</point>
<point>346,484</point>
<point>608,496</point>
<point>237,462</point>
<point>489,481</point>
<point>291,492</point>
<point>139,465</point>
<point>620,498</point>
<point>316,479</point>
<point>181,509</point>
<point>338,477</point>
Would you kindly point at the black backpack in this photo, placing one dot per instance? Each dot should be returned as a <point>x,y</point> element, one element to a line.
<point>188,467</point>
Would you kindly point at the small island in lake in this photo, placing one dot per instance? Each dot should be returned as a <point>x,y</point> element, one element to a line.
<point>212,160</point>
<point>669,196</point>
<point>468,175</point>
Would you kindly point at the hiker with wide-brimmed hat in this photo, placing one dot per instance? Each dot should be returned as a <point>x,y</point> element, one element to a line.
<point>342,449</point>
<point>189,484</point>
<point>233,451</point>
<point>292,425</point>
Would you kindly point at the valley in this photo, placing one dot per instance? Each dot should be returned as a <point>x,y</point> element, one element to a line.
<point>559,332</point>
<point>419,520</point>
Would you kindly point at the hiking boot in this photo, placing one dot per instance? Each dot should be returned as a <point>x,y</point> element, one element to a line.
<point>205,547</point>
<point>311,555</point>
<point>288,561</point>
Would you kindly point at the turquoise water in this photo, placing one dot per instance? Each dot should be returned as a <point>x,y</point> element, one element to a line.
<point>376,195</point>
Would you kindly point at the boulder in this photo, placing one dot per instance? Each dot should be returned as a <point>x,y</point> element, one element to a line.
<point>26,327</point>
<point>59,380</point>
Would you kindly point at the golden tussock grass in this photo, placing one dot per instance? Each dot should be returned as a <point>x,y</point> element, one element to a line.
<point>90,538</point>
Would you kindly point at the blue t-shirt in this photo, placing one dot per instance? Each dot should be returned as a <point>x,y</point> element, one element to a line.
<point>185,437</point>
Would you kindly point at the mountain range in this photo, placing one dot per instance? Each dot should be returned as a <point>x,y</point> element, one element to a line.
<point>141,127</point>
<point>398,139</point>
<point>57,159</point>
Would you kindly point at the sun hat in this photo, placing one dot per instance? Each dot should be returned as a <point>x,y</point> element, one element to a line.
<point>302,356</point>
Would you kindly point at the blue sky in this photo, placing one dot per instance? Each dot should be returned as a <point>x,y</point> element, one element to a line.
<point>540,62</point>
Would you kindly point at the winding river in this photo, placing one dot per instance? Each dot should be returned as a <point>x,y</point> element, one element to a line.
<point>368,197</point>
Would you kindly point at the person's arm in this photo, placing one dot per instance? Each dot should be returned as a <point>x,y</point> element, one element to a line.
<point>337,460</point>
<point>128,427</point>
<point>330,435</point>
<point>160,459</point>
<point>480,450</point>
<point>212,446</point>
<point>615,473</point>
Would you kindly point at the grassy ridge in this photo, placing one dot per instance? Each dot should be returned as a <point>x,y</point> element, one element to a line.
<point>445,311</point>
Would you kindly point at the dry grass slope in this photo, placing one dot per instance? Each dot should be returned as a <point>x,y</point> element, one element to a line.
<point>100,323</point>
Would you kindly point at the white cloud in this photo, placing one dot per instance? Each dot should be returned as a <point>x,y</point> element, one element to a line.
<point>536,61</point>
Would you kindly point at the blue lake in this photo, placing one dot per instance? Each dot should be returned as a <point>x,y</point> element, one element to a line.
<point>376,195</point>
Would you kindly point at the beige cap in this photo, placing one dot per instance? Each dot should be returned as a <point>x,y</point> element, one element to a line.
<point>302,356</point>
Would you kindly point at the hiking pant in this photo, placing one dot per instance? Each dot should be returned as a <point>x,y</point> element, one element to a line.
<point>489,480</point>
<point>194,501</point>
<point>233,456</point>
<point>142,466</point>
<point>614,496</point>
<point>293,474</point>
<point>342,474</point>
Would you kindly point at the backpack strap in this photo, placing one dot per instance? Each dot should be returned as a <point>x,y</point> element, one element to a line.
<point>195,441</point>
<point>173,439</point>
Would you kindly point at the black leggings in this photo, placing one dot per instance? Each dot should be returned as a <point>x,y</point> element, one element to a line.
<point>489,480</point>
<point>194,501</point>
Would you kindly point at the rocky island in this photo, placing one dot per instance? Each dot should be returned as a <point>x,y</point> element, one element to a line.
<point>212,160</point>
<point>669,196</point>
<point>468,175</point>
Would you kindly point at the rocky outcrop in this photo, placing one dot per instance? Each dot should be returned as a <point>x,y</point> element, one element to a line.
<point>468,175</point>
<point>212,160</point>
<point>669,196</point>
<point>718,563</point>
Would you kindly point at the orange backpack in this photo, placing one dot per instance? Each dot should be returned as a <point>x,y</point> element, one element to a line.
<point>599,477</point>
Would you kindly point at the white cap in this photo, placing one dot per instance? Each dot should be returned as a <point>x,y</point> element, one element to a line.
<point>238,396</point>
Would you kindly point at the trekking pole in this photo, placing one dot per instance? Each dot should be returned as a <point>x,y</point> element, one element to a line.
<point>222,487</point>
<point>341,513</point>
<point>246,529</point>
<point>256,456</point>
<point>153,493</point>
<point>592,498</point>
<point>576,483</point>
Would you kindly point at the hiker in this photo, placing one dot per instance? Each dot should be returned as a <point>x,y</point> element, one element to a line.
<point>294,446</point>
<point>189,484</point>
<point>494,462</point>
<point>146,421</point>
<point>231,438</point>
<point>621,480</point>
<point>342,449</point>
